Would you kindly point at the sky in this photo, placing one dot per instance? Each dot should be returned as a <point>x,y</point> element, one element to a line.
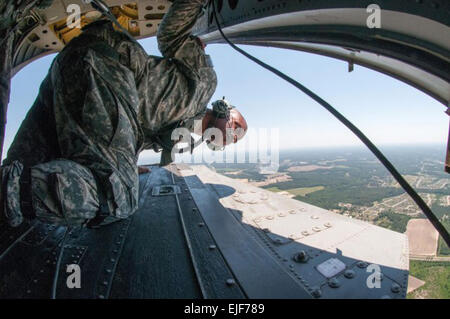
<point>388,111</point>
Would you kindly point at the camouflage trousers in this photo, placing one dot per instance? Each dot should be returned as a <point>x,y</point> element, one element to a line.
<point>80,142</point>
<point>62,192</point>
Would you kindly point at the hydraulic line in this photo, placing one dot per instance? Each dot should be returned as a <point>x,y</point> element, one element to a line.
<point>58,263</point>
<point>398,177</point>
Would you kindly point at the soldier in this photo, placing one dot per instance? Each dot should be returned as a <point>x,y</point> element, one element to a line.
<point>104,100</point>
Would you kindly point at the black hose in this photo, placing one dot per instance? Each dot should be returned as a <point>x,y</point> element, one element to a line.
<point>398,177</point>
<point>58,263</point>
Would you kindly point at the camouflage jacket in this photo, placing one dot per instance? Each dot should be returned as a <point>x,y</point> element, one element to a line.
<point>172,88</point>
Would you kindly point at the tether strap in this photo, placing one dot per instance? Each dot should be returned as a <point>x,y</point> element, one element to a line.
<point>26,202</point>
<point>103,210</point>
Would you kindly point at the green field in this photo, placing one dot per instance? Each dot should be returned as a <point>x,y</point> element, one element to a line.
<point>443,249</point>
<point>393,221</point>
<point>301,191</point>
<point>436,276</point>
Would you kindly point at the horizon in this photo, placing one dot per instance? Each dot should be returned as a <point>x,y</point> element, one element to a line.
<point>387,149</point>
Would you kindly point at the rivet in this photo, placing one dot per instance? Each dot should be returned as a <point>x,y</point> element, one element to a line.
<point>362,264</point>
<point>194,209</point>
<point>316,292</point>
<point>105,283</point>
<point>334,283</point>
<point>211,247</point>
<point>395,288</point>
<point>101,296</point>
<point>112,260</point>
<point>301,257</point>
<point>201,224</point>
<point>35,281</point>
<point>108,270</point>
<point>230,282</point>
<point>28,291</point>
<point>349,274</point>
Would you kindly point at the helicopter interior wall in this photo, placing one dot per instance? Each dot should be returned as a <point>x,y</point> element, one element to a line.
<point>430,84</point>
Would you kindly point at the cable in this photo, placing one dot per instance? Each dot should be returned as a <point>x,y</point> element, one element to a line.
<point>398,177</point>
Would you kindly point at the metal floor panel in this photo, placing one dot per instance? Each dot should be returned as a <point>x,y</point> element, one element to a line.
<point>258,273</point>
<point>155,261</point>
<point>339,254</point>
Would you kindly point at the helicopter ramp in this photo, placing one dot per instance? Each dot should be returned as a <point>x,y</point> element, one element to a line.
<point>198,234</point>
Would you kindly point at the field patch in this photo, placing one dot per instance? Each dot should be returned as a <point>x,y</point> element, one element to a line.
<point>307,168</point>
<point>302,191</point>
<point>436,277</point>
<point>422,237</point>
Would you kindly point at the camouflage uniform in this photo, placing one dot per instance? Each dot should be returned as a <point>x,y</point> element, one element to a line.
<point>102,102</point>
